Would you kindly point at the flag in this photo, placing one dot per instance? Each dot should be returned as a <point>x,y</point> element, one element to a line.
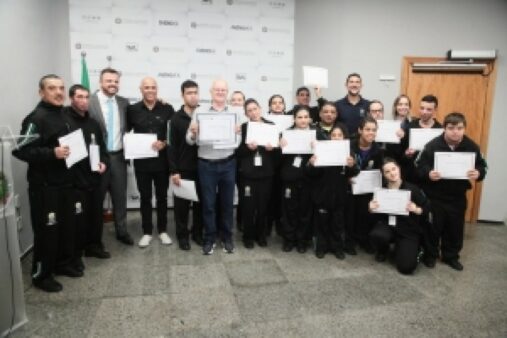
<point>85,79</point>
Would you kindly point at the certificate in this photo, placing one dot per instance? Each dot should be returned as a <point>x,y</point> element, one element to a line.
<point>216,128</point>
<point>94,157</point>
<point>77,147</point>
<point>315,76</point>
<point>454,165</point>
<point>283,122</point>
<point>420,136</point>
<point>386,131</point>
<point>366,182</point>
<point>262,134</point>
<point>138,146</point>
<point>186,190</point>
<point>392,201</point>
<point>298,141</point>
<point>331,153</point>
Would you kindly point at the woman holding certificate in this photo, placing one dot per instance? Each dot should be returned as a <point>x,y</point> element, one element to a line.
<point>329,192</point>
<point>399,211</point>
<point>257,167</point>
<point>296,204</point>
<point>369,156</point>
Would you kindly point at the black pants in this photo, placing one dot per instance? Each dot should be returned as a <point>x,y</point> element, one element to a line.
<point>181,211</point>
<point>90,222</point>
<point>296,212</point>
<point>406,247</point>
<point>54,241</point>
<point>329,226</point>
<point>447,226</point>
<point>254,197</point>
<point>275,206</point>
<point>144,184</point>
<point>360,221</point>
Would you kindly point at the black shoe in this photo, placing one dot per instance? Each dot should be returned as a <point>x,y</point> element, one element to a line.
<point>287,246</point>
<point>350,250</point>
<point>453,263</point>
<point>184,245</point>
<point>198,240</point>
<point>380,257</point>
<point>125,239</point>
<point>48,284</point>
<point>228,246</point>
<point>319,254</point>
<point>248,244</point>
<point>78,265</point>
<point>339,254</point>
<point>301,248</point>
<point>429,262</point>
<point>97,253</point>
<point>207,248</point>
<point>69,272</point>
<point>262,242</point>
<point>368,249</point>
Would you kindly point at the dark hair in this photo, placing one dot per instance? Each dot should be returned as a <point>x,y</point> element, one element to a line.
<point>75,87</point>
<point>47,77</point>
<point>327,103</point>
<point>352,75</point>
<point>239,92</point>
<point>110,71</point>
<point>389,160</point>
<point>343,128</point>
<point>274,97</point>
<point>299,108</point>
<point>397,100</point>
<point>302,89</point>
<point>188,84</point>
<point>430,99</point>
<point>249,101</point>
<point>455,118</point>
<point>365,120</point>
<point>375,101</point>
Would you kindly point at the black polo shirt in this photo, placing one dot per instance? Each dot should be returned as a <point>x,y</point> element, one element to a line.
<point>351,114</point>
<point>145,121</point>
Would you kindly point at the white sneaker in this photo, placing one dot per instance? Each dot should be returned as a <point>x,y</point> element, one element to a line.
<point>144,241</point>
<point>165,239</point>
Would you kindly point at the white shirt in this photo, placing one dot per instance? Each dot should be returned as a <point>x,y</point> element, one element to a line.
<point>103,100</point>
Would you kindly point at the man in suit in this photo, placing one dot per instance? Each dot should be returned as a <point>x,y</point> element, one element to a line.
<point>109,109</point>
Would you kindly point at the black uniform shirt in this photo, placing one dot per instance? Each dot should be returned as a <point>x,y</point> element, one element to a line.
<point>145,121</point>
<point>351,114</point>
<point>182,156</point>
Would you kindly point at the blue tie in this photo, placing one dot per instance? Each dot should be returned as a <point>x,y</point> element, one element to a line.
<point>110,125</point>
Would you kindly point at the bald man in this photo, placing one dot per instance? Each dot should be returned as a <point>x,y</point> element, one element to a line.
<point>151,116</point>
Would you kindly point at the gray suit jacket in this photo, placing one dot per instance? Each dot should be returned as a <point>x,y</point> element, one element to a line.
<point>96,112</point>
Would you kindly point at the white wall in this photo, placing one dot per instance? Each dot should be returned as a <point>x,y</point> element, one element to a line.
<point>32,44</point>
<point>371,37</point>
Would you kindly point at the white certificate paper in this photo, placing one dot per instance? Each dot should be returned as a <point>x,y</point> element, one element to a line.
<point>283,122</point>
<point>420,136</point>
<point>331,153</point>
<point>315,76</point>
<point>262,134</point>
<point>186,190</point>
<point>298,141</point>
<point>138,146</point>
<point>454,165</point>
<point>77,147</point>
<point>386,131</point>
<point>392,201</point>
<point>367,182</point>
<point>94,157</point>
<point>216,128</point>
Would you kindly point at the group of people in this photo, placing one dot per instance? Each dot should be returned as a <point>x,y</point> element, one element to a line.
<point>308,205</point>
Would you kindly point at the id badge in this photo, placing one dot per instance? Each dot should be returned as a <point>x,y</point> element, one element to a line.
<point>392,220</point>
<point>297,161</point>
<point>257,160</point>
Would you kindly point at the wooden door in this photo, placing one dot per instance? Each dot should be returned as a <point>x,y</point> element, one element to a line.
<point>468,93</point>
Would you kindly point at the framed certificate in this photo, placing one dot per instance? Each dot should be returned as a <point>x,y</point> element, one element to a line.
<point>454,165</point>
<point>216,128</point>
<point>392,201</point>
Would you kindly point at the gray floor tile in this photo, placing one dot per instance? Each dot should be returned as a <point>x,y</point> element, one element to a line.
<point>252,273</point>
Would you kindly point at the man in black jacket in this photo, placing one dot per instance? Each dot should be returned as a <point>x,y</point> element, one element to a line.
<point>183,165</point>
<point>49,186</point>
<point>151,116</point>
<point>448,196</point>
<point>89,222</point>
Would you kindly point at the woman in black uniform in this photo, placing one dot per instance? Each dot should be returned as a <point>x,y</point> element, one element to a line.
<point>404,231</point>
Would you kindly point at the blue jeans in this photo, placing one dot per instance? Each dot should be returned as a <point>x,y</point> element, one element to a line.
<point>213,175</point>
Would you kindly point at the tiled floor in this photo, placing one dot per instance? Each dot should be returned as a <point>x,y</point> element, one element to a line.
<point>162,291</point>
